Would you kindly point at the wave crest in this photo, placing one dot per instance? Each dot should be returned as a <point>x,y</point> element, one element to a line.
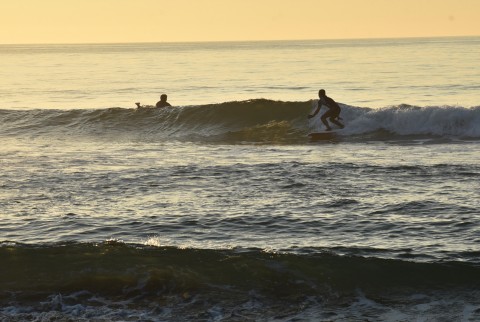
<point>113,280</point>
<point>257,120</point>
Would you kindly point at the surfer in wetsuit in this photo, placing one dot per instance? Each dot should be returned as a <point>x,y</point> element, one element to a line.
<point>161,103</point>
<point>333,112</point>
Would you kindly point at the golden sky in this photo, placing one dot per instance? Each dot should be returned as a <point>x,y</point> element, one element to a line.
<point>92,21</point>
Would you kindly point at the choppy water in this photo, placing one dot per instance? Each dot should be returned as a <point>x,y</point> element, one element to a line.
<point>224,210</point>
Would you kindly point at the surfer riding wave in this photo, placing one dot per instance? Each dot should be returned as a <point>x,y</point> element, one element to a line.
<point>333,112</point>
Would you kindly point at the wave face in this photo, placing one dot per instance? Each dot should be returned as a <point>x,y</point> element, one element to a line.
<point>245,121</point>
<point>112,279</point>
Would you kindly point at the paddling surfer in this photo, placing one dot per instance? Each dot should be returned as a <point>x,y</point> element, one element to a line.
<point>161,103</point>
<point>333,112</point>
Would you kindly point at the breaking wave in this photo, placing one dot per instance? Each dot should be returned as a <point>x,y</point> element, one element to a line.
<point>257,120</point>
<point>78,279</point>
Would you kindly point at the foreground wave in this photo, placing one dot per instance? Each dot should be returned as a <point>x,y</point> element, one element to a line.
<point>245,121</point>
<point>114,280</point>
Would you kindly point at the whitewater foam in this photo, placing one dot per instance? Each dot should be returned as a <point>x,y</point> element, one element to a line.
<point>411,120</point>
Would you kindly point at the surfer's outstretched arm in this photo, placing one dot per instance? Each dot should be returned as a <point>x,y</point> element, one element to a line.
<point>316,111</point>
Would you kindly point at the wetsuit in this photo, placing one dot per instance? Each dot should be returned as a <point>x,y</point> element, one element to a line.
<point>333,108</point>
<point>162,104</point>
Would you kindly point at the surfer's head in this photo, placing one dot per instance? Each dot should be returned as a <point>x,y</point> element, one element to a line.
<point>321,93</point>
<point>163,97</point>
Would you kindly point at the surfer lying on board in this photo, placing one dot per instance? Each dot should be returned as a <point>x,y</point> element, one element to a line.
<point>333,110</point>
<point>161,103</point>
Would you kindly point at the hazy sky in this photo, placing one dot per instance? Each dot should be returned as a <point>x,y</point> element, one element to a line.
<point>80,21</point>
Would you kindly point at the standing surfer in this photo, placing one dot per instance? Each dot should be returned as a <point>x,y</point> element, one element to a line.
<point>333,110</point>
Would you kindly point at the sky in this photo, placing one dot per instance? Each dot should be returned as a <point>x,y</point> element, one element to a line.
<point>121,21</point>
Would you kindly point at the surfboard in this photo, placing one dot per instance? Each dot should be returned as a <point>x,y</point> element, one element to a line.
<point>324,135</point>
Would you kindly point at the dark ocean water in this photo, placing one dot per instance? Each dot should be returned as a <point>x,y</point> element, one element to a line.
<point>230,212</point>
<point>225,210</point>
<point>114,281</point>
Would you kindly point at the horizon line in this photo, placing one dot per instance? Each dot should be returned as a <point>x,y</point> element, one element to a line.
<point>236,41</point>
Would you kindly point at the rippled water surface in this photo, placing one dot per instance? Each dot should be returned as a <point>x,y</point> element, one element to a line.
<point>396,197</point>
<point>223,208</point>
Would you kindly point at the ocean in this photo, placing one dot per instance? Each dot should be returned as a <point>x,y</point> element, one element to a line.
<point>222,208</point>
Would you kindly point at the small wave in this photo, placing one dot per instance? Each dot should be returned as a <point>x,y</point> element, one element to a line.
<point>114,280</point>
<point>113,266</point>
<point>257,120</point>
